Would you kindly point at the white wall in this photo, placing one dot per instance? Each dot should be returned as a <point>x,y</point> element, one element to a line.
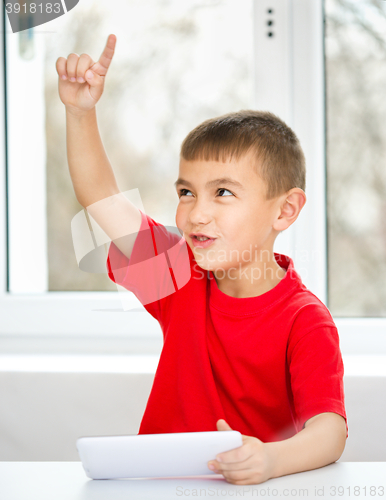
<point>42,414</point>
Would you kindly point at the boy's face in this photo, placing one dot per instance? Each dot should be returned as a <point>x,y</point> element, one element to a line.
<point>236,215</point>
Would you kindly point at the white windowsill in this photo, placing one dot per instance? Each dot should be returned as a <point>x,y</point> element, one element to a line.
<point>78,363</point>
<point>354,365</point>
<point>364,365</point>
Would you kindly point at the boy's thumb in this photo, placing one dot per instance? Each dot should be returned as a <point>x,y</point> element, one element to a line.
<point>93,79</point>
<point>96,84</point>
<point>222,425</point>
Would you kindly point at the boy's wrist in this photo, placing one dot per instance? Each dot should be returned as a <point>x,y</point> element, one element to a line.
<point>79,113</point>
<point>272,451</point>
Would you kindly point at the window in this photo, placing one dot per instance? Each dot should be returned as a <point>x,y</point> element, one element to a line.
<point>356,148</point>
<point>176,64</point>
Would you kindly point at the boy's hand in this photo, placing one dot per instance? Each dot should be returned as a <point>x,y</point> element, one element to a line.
<point>251,463</point>
<point>81,80</point>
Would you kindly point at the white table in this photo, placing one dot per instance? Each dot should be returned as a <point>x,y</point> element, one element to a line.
<point>67,481</point>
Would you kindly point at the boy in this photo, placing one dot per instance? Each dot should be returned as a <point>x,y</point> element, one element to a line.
<point>246,345</point>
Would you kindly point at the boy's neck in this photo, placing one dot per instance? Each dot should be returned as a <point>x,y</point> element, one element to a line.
<point>251,280</point>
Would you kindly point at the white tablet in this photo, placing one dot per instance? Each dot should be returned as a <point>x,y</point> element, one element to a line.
<point>154,455</point>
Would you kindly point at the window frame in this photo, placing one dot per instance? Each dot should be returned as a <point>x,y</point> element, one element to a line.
<point>94,315</point>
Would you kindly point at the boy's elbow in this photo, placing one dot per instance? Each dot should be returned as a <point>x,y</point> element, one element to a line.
<point>341,439</point>
<point>343,445</point>
<point>334,432</point>
<point>339,452</point>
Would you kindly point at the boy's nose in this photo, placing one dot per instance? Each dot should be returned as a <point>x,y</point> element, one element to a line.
<point>200,214</point>
<point>198,220</point>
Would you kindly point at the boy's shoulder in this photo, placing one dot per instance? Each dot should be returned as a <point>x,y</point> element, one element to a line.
<point>302,306</point>
<point>311,320</point>
<point>311,310</point>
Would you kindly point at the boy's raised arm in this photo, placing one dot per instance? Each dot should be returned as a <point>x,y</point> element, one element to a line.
<point>81,83</point>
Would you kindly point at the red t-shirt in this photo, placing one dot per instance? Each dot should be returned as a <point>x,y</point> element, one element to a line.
<point>265,364</point>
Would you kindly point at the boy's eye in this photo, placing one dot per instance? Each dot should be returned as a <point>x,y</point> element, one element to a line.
<point>223,189</point>
<point>184,191</point>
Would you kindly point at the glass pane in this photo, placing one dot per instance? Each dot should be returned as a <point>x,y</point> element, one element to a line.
<point>356,156</point>
<point>176,64</point>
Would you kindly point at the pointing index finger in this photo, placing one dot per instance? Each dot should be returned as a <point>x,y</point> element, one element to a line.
<point>106,57</point>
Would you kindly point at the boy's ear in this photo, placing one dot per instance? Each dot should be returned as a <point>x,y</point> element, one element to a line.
<point>290,208</point>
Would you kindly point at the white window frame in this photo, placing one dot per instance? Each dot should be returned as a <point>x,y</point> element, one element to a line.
<point>38,320</point>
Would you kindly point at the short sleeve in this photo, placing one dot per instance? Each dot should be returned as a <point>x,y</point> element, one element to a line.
<point>158,265</point>
<point>316,374</point>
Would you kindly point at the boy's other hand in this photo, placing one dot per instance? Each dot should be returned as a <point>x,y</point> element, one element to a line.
<point>249,464</point>
<point>81,80</point>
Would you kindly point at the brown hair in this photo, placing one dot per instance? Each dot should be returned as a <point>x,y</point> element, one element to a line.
<point>280,160</point>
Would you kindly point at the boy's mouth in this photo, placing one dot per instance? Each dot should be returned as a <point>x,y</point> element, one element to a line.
<point>201,241</point>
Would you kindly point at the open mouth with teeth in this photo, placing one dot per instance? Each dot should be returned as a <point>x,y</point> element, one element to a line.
<point>202,241</point>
